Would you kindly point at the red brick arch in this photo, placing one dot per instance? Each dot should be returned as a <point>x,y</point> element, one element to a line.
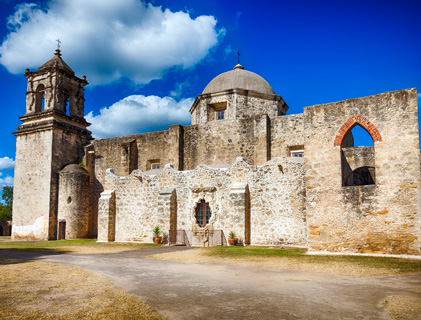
<point>350,123</point>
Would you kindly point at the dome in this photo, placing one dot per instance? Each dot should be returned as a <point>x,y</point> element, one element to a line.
<point>238,78</point>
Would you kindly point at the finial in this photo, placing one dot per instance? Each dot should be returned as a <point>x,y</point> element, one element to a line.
<point>238,66</point>
<point>58,52</point>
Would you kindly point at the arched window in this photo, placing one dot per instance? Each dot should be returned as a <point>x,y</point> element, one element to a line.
<point>39,98</point>
<point>67,95</point>
<point>357,154</point>
<point>203,213</point>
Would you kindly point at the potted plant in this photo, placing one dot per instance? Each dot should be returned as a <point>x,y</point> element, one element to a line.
<point>232,239</point>
<point>156,235</point>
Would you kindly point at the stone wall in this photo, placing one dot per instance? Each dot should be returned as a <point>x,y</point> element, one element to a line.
<point>74,205</point>
<point>240,104</point>
<point>380,218</point>
<point>218,142</point>
<point>67,148</point>
<point>40,154</point>
<point>33,169</point>
<point>287,133</point>
<point>275,208</point>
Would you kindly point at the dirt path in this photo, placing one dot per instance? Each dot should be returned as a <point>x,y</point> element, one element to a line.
<point>217,291</point>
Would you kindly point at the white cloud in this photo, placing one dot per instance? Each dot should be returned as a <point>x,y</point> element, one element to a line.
<point>6,163</point>
<point>137,113</point>
<point>108,40</point>
<point>179,88</point>
<point>228,50</point>
<point>7,181</point>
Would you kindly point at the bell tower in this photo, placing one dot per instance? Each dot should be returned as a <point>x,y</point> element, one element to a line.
<point>52,136</point>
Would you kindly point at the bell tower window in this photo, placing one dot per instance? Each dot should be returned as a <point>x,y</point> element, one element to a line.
<point>39,98</point>
<point>203,213</point>
<point>67,100</point>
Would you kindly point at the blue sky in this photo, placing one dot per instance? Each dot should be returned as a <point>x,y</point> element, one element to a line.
<point>147,61</point>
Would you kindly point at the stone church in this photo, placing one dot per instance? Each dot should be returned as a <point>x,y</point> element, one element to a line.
<point>243,165</point>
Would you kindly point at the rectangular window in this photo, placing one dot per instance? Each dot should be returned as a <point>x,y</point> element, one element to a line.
<point>297,153</point>
<point>216,111</point>
<point>155,166</point>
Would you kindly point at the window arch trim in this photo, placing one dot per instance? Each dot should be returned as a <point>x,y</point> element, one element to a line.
<point>351,123</point>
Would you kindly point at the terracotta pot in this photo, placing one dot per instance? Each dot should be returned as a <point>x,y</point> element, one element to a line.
<point>157,240</point>
<point>233,242</point>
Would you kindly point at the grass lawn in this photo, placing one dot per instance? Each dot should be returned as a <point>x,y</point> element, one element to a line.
<point>356,266</point>
<point>81,246</point>
<point>396,265</point>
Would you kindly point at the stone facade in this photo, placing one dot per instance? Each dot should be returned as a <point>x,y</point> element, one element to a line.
<point>383,217</point>
<point>242,166</point>
<point>52,135</point>
<point>74,205</point>
<point>275,191</point>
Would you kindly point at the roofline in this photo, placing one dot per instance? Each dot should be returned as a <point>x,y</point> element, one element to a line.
<point>245,92</point>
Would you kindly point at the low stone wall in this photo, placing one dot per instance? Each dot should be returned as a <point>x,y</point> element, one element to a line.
<point>261,204</point>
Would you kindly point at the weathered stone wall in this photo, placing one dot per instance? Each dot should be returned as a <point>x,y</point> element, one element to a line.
<point>40,155</point>
<point>240,104</point>
<point>74,205</point>
<point>33,169</point>
<point>113,153</point>
<point>218,142</point>
<point>380,218</point>
<point>106,217</point>
<point>67,148</point>
<point>252,104</point>
<point>275,205</point>
<point>287,133</point>
<point>48,139</point>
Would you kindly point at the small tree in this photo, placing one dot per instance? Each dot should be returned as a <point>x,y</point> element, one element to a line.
<point>7,195</point>
<point>6,210</point>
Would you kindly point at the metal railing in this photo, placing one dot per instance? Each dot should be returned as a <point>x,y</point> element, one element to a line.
<point>208,238</point>
<point>178,237</point>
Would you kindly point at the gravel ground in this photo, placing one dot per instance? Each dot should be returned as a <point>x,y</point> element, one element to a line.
<point>233,291</point>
